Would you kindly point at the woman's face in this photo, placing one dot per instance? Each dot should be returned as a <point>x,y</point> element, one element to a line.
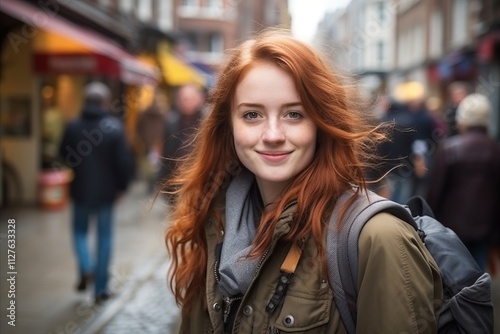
<point>274,136</point>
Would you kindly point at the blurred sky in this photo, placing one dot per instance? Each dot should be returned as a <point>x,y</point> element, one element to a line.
<point>306,14</point>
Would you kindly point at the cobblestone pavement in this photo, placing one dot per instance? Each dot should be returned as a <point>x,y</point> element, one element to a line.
<point>150,310</point>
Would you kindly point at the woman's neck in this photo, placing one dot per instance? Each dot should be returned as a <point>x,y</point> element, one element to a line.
<point>270,191</point>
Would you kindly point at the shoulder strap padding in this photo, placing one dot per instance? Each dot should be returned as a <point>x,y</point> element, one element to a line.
<point>342,246</point>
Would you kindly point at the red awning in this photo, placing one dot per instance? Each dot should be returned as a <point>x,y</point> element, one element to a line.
<point>76,63</point>
<point>107,56</point>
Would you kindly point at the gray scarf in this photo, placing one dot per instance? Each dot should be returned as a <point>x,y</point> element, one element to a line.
<point>236,271</point>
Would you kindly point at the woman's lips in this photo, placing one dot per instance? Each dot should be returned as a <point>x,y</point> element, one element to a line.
<point>274,156</point>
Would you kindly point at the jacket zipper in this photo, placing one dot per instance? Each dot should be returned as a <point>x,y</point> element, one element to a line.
<point>216,272</point>
<point>228,301</point>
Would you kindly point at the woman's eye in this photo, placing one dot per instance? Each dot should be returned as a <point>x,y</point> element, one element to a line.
<point>251,115</point>
<point>294,115</point>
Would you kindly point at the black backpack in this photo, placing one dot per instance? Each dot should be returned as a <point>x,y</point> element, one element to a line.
<point>467,305</point>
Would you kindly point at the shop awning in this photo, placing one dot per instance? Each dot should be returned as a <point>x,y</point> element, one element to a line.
<point>100,51</point>
<point>176,72</point>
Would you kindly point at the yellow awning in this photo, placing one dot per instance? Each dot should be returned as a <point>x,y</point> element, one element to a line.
<point>176,72</point>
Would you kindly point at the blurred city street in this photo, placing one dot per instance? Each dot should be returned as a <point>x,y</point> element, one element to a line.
<point>45,297</point>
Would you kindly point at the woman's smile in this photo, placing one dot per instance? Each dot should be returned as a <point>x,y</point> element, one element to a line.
<point>274,156</point>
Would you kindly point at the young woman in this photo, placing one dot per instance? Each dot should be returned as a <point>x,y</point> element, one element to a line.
<point>283,139</point>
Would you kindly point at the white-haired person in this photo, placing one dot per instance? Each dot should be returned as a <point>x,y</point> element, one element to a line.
<point>464,188</point>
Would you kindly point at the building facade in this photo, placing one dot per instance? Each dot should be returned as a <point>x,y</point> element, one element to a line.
<point>209,27</point>
<point>363,40</point>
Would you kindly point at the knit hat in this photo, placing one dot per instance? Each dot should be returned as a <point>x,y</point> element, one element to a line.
<point>474,110</point>
<point>97,90</point>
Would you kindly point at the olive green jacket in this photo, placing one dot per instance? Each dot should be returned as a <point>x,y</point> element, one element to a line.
<point>399,286</point>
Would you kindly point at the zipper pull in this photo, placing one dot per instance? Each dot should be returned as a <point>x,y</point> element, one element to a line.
<point>227,308</point>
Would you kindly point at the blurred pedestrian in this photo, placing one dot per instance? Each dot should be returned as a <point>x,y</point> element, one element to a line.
<point>396,152</point>
<point>151,134</point>
<point>457,91</point>
<point>284,138</point>
<point>464,190</point>
<point>95,147</point>
<point>180,126</point>
<point>413,95</point>
<point>434,106</point>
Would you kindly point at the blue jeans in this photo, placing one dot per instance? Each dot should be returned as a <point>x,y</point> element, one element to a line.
<point>81,216</point>
<point>400,188</point>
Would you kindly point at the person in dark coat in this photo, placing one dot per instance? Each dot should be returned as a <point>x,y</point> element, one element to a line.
<point>95,147</point>
<point>464,191</point>
<point>412,95</point>
<point>422,148</point>
<point>396,153</point>
<point>151,135</point>
<point>180,127</point>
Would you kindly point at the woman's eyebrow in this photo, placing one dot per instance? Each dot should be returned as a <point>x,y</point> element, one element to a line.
<point>292,104</point>
<point>257,105</point>
<point>250,105</point>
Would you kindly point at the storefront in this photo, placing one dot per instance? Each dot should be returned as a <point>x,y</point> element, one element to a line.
<point>48,61</point>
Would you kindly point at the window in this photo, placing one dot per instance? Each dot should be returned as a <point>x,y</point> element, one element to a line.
<point>165,16</point>
<point>126,6</point>
<point>191,41</point>
<point>380,53</point>
<point>381,12</point>
<point>214,3</point>
<point>436,35</point>
<point>145,10</point>
<point>459,22</point>
<point>189,8</point>
<point>216,43</point>
<point>190,3</point>
<point>417,50</point>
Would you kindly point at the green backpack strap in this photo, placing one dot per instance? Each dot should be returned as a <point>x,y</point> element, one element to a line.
<point>342,247</point>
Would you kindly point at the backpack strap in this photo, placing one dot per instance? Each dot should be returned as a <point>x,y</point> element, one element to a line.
<point>287,270</point>
<point>342,247</point>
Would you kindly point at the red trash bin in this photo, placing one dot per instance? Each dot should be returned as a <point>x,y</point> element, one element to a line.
<point>53,189</point>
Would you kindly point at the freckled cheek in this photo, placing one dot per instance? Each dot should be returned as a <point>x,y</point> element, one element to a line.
<point>304,137</point>
<point>244,137</point>
<point>242,143</point>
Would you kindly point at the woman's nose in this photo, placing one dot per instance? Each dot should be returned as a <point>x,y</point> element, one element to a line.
<point>273,132</point>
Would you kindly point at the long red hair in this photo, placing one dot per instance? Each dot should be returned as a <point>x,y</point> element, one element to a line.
<point>345,142</point>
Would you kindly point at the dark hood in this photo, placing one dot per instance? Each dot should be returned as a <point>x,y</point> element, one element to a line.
<point>93,112</point>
